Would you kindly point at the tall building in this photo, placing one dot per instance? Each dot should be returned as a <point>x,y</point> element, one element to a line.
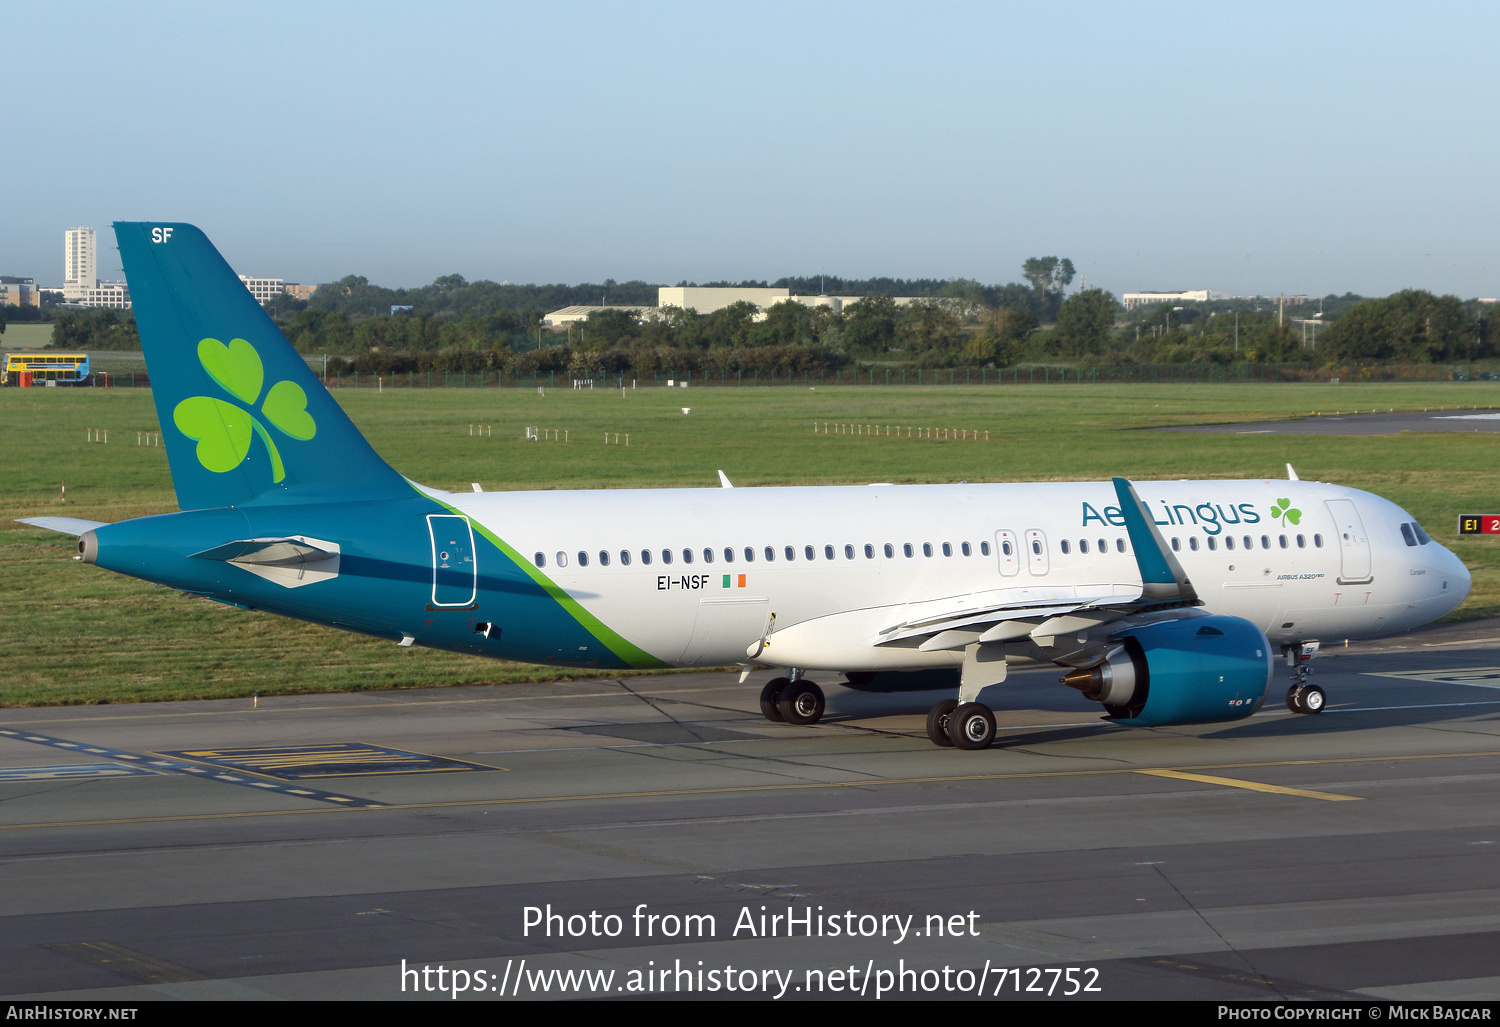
<point>80,262</point>
<point>81,283</point>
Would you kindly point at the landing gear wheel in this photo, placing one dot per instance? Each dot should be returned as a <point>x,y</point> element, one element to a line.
<point>972,726</point>
<point>770,696</point>
<point>801,703</point>
<point>1312,700</point>
<point>937,723</point>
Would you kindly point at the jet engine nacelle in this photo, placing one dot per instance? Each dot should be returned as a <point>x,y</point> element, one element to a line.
<point>1197,670</point>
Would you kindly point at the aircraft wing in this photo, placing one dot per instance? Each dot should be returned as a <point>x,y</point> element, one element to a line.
<point>66,525</point>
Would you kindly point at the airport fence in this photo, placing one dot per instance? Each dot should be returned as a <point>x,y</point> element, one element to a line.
<point>1035,374</point>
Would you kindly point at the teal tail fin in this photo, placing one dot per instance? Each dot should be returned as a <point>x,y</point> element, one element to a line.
<point>241,413</point>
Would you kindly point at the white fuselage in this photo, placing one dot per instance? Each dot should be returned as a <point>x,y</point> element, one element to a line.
<point>697,576</point>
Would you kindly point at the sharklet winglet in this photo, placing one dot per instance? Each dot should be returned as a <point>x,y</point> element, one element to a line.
<point>1162,577</point>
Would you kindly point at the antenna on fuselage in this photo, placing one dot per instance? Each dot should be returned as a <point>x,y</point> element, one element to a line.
<point>1291,474</point>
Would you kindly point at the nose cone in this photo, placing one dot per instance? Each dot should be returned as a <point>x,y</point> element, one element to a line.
<point>1453,576</point>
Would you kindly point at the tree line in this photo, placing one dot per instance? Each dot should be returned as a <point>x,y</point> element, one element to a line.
<point>456,325</point>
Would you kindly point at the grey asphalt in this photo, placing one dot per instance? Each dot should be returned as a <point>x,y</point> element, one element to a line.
<point>1352,854</point>
<point>1479,417</point>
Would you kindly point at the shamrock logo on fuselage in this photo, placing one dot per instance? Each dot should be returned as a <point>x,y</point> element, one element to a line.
<point>222,429</point>
<point>1283,509</point>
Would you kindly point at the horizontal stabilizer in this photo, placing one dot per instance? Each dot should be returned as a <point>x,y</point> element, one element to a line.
<point>289,562</point>
<point>66,525</point>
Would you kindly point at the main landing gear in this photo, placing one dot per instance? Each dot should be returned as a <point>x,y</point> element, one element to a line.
<point>953,724</point>
<point>1303,697</point>
<point>793,702</point>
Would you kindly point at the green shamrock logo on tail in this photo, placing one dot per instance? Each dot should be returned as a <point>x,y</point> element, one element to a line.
<point>222,429</point>
<point>1283,509</point>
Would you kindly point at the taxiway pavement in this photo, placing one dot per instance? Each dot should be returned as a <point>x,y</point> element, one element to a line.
<point>146,855</point>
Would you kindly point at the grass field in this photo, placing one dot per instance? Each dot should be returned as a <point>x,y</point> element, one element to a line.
<point>76,634</point>
<point>26,336</point>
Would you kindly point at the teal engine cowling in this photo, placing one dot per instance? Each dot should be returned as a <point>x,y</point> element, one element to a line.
<point>1197,670</point>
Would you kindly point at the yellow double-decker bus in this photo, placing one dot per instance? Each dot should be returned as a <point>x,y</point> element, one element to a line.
<point>26,369</point>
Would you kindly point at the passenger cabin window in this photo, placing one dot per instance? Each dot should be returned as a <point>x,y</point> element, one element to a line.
<point>1120,545</point>
<point>625,557</point>
<point>1193,543</point>
<point>645,556</point>
<point>964,548</point>
<point>1004,548</point>
<point>687,556</point>
<point>1228,541</point>
<point>1036,547</point>
<point>926,548</point>
<point>906,548</point>
<point>708,555</point>
<point>728,555</point>
<point>1083,545</point>
<point>562,559</point>
<point>1301,541</point>
<point>666,556</point>
<point>1318,541</point>
<point>1064,545</point>
<point>749,554</point>
<point>1176,546</point>
<point>1265,541</point>
<point>790,553</point>
<point>1103,546</point>
<point>947,549</point>
<point>1249,542</point>
<point>984,549</point>
<point>828,553</point>
<point>890,551</point>
<point>604,558</point>
<point>540,559</point>
<point>869,551</point>
<point>1282,540</point>
<point>848,552</point>
<point>583,559</point>
<point>770,552</point>
<point>1213,543</point>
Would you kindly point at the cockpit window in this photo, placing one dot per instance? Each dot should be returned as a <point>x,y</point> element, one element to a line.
<point>1421,535</point>
<point>1408,535</point>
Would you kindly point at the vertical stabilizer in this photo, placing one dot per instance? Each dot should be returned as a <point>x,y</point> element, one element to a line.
<point>241,413</point>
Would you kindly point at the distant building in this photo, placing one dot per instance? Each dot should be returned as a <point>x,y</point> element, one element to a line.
<point>81,285</point>
<point>581,312</point>
<point>101,294</point>
<point>1141,299</point>
<point>706,300</point>
<point>19,292</point>
<point>263,289</point>
<point>80,263</point>
<point>298,292</point>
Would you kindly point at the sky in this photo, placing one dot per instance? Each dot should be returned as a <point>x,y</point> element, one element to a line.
<point>1248,148</point>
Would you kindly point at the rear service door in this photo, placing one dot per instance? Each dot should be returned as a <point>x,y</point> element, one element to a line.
<point>455,575</point>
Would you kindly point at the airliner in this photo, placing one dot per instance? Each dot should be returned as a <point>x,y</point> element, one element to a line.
<point>1164,602</point>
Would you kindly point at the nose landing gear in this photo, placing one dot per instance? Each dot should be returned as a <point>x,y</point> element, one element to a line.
<point>1303,697</point>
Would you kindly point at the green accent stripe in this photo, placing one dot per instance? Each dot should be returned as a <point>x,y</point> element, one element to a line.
<point>626,650</point>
